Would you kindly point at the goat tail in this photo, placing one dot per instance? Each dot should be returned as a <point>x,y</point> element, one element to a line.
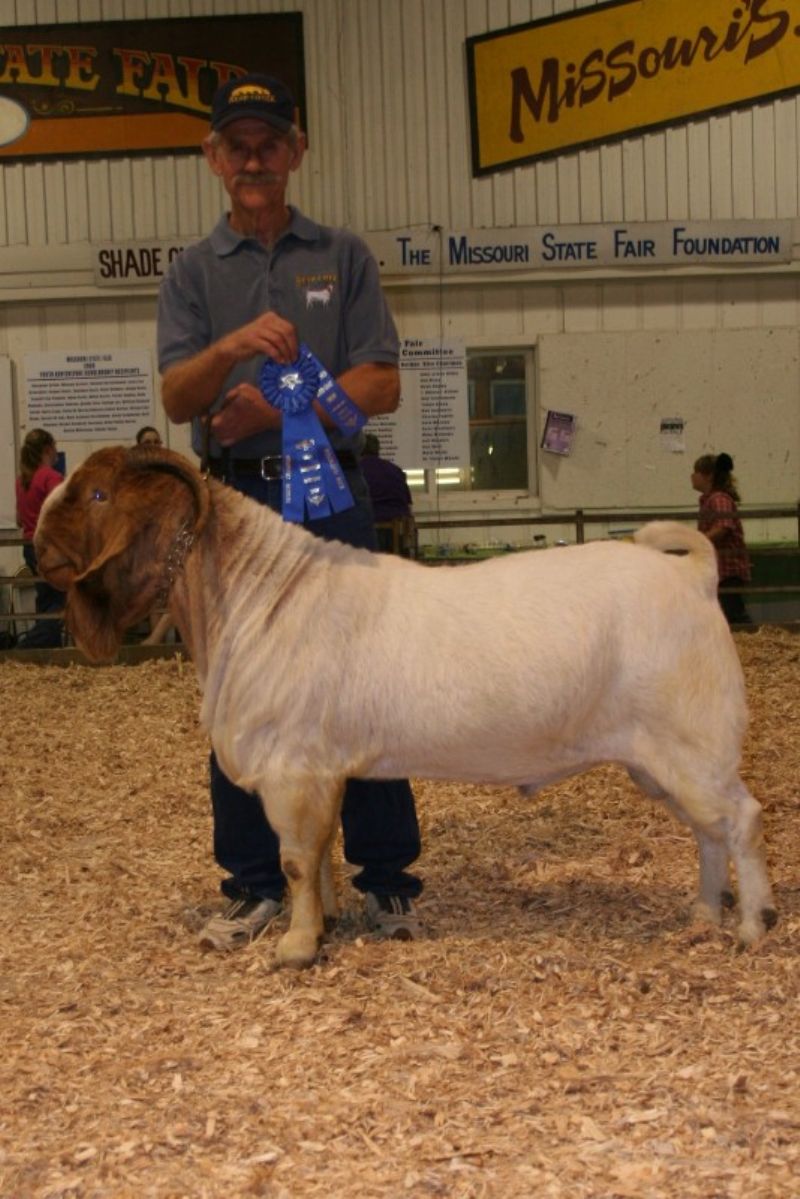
<point>671,537</point>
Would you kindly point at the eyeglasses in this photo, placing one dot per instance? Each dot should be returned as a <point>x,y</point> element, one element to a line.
<point>238,153</point>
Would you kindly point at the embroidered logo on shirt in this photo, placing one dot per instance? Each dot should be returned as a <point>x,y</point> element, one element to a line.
<point>318,289</point>
<point>319,295</point>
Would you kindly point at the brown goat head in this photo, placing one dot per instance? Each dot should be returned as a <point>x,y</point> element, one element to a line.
<point>106,534</point>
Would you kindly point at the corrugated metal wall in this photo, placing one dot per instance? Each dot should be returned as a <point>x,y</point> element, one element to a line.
<point>390,139</point>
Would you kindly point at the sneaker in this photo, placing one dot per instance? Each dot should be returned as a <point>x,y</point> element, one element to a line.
<point>392,917</point>
<point>239,923</point>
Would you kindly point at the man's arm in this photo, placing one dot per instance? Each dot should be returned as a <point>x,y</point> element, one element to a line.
<point>189,388</point>
<point>374,387</point>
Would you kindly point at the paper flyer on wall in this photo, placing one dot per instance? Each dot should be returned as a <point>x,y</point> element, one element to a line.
<point>559,433</point>
<point>672,440</point>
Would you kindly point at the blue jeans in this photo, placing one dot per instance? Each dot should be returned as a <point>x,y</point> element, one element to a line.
<point>379,820</point>
<point>45,634</point>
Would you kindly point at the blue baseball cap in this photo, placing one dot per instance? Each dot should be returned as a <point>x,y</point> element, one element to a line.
<point>259,97</point>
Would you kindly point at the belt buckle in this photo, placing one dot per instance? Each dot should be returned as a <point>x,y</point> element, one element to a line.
<point>275,471</point>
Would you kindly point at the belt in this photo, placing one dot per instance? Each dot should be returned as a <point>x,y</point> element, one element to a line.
<point>268,467</point>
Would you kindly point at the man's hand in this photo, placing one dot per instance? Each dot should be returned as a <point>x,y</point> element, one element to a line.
<point>243,413</point>
<point>189,388</point>
<point>268,334</point>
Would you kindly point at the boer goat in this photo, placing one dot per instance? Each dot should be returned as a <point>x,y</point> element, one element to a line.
<point>320,662</point>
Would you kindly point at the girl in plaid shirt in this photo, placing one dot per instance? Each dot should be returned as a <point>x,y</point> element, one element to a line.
<point>720,522</point>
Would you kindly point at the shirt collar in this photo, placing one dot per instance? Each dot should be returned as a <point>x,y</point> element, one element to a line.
<point>225,240</point>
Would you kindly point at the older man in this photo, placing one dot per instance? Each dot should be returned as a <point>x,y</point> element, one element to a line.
<point>264,281</point>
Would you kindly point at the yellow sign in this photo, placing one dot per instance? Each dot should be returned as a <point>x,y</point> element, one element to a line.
<point>623,67</point>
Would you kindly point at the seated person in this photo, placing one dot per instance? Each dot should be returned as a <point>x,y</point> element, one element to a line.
<point>388,490</point>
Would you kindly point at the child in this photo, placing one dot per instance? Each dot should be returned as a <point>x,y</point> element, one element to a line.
<point>37,478</point>
<point>720,522</point>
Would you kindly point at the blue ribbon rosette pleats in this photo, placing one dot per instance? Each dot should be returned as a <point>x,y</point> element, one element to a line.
<point>313,479</point>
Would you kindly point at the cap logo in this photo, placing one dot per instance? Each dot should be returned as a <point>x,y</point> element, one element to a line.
<point>251,91</point>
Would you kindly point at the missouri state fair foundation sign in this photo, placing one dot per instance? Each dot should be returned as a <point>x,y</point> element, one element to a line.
<point>560,247</point>
<point>456,252</point>
<point>620,68</point>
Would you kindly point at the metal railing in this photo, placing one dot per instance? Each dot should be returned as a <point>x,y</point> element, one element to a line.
<point>579,518</point>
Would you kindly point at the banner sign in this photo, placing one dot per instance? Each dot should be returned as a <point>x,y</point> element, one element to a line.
<point>620,68</point>
<point>561,247</point>
<point>127,87</point>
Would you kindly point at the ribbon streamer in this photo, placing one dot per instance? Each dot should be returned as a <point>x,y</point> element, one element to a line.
<point>313,479</point>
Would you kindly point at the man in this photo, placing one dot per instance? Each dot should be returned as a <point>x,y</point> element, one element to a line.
<point>266,280</point>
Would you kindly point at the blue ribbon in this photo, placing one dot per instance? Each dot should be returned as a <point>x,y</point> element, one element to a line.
<point>312,476</point>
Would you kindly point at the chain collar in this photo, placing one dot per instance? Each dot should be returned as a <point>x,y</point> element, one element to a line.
<point>178,553</point>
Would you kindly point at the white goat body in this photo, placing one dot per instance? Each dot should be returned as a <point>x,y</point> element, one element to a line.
<point>320,662</point>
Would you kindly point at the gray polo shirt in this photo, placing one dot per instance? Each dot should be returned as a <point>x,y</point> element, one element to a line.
<point>325,281</point>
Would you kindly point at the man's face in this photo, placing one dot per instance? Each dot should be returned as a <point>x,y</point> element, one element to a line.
<point>253,160</point>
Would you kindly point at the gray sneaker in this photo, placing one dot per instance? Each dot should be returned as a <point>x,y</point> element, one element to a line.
<point>392,917</point>
<point>239,923</point>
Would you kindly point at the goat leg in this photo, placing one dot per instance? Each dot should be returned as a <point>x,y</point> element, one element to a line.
<point>303,813</point>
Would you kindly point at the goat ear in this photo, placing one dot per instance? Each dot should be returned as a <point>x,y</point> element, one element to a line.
<point>90,620</point>
<point>99,601</point>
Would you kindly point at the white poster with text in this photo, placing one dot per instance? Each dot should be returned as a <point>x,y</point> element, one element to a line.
<point>84,395</point>
<point>431,425</point>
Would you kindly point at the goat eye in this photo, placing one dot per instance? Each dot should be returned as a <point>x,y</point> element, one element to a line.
<point>97,494</point>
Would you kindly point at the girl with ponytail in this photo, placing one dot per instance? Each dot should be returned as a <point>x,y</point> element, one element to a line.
<point>37,478</point>
<point>719,520</point>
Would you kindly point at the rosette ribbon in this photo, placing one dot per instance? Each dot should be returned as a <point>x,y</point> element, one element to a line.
<point>312,477</point>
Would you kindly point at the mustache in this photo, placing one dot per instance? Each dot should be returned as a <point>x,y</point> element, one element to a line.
<point>257,177</point>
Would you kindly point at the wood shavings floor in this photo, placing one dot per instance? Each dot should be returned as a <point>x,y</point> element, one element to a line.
<point>561,1032</point>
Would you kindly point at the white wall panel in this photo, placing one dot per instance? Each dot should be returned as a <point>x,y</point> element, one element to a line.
<point>698,150</point>
<point>733,390</point>
<point>764,165</point>
<point>677,174</point>
<point>720,167</point>
<point>743,187</point>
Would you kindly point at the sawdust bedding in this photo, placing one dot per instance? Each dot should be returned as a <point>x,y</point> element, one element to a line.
<point>561,1031</point>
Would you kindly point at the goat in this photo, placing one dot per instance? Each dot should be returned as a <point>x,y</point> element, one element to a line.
<point>320,662</point>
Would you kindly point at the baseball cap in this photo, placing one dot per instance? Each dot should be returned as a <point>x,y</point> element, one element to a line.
<point>259,97</point>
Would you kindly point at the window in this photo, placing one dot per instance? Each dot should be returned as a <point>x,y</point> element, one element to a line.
<point>507,397</point>
<point>502,448</point>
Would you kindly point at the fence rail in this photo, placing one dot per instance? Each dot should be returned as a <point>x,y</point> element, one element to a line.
<point>579,518</point>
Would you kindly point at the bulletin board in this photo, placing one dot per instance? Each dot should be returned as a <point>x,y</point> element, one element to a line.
<point>733,390</point>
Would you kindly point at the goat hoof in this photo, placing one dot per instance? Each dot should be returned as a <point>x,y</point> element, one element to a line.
<point>704,913</point>
<point>727,900</point>
<point>752,930</point>
<point>297,950</point>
